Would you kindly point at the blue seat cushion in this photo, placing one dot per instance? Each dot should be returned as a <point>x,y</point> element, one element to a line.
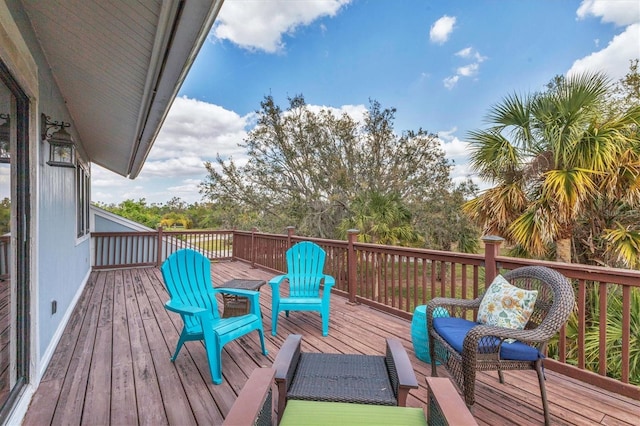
<point>454,330</point>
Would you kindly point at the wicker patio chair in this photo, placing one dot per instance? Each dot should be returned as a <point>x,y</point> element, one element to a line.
<point>471,347</point>
<point>353,378</point>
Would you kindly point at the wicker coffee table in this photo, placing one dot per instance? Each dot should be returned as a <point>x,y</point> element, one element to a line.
<point>237,305</point>
<point>352,378</point>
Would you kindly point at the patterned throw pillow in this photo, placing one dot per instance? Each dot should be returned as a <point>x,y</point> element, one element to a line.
<point>505,305</point>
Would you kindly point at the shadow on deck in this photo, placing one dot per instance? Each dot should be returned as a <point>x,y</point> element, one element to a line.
<point>112,363</point>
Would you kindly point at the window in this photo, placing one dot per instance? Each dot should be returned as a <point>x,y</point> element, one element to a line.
<point>83,184</point>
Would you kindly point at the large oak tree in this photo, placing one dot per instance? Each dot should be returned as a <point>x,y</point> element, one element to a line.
<point>310,168</point>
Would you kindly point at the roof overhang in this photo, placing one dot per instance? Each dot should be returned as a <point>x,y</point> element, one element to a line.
<point>119,66</point>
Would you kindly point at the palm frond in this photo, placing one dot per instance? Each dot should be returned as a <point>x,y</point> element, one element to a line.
<point>568,189</point>
<point>534,230</point>
<point>625,242</point>
<point>493,156</point>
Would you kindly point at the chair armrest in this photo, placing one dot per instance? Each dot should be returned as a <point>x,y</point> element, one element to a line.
<point>277,280</point>
<point>203,315</point>
<point>445,406</point>
<point>274,283</point>
<point>183,309</point>
<point>401,373</point>
<point>451,304</point>
<point>254,404</point>
<point>454,307</point>
<point>285,365</point>
<point>329,281</point>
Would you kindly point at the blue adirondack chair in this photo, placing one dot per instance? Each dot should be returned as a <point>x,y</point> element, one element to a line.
<point>305,264</point>
<point>187,276</point>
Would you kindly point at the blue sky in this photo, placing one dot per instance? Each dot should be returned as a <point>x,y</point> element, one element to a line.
<point>442,64</point>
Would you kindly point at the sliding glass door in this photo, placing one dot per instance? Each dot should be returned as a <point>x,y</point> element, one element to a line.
<point>14,247</point>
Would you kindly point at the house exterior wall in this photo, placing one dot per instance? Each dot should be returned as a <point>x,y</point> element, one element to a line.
<point>60,261</point>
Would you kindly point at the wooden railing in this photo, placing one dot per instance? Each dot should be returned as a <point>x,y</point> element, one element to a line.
<point>133,249</point>
<point>397,279</point>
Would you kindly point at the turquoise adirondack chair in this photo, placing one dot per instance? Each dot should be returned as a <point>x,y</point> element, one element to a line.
<point>305,264</point>
<point>187,276</point>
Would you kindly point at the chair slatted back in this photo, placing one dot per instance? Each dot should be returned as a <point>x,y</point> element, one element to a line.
<point>187,275</point>
<point>305,265</point>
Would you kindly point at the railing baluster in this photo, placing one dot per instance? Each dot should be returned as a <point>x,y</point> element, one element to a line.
<point>626,332</point>
<point>582,322</point>
<point>453,280</point>
<point>602,361</point>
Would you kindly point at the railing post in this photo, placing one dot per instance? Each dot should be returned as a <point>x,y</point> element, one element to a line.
<point>491,250</point>
<point>291,230</point>
<point>159,247</point>
<point>253,246</point>
<point>352,264</point>
<point>233,245</point>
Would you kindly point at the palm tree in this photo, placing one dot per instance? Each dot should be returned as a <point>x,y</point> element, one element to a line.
<point>381,219</point>
<point>553,158</point>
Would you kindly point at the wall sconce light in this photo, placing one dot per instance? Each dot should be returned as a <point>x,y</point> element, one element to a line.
<point>5,138</point>
<point>62,149</point>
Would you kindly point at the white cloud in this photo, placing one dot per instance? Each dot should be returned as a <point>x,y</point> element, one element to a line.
<point>186,190</point>
<point>356,112</point>
<point>613,59</point>
<point>183,166</point>
<point>465,53</point>
<point>103,178</point>
<point>450,82</point>
<point>471,53</point>
<point>468,70</point>
<point>193,132</point>
<point>442,29</point>
<point>195,128</point>
<point>457,150</point>
<point>454,148</point>
<point>261,24</point>
<point>618,12</point>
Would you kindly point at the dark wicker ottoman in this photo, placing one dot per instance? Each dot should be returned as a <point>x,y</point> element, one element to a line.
<point>363,379</point>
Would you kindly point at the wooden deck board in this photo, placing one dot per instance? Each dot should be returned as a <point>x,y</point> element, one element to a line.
<point>150,403</point>
<point>75,382</point>
<point>113,366</point>
<point>97,405</point>
<point>122,382</point>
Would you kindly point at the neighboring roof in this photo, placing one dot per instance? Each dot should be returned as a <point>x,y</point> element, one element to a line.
<point>118,220</point>
<point>119,66</point>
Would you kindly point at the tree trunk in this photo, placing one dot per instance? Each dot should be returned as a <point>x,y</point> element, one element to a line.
<point>563,250</point>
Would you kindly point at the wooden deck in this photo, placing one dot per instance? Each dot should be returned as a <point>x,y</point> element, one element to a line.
<point>112,364</point>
